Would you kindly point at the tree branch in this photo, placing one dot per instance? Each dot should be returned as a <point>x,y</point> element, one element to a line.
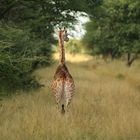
<point>7,9</point>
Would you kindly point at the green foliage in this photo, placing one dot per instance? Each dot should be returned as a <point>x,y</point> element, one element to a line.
<point>116,29</point>
<point>26,36</point>
<point>74,46</point>
<point>18,53</point>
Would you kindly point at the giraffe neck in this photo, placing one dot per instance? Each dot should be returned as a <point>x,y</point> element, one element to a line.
<point>61,51</point>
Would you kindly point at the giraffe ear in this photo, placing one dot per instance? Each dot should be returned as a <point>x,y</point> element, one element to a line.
<point>65,30</point>
<point>65,37</point>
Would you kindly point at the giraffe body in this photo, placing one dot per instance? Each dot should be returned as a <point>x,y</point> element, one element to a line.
<point>62,84</point>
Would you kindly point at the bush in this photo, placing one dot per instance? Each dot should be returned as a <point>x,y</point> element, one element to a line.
<point>20,55</point>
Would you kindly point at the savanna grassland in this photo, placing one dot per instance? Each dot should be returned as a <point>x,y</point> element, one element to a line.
<point>106,105</point>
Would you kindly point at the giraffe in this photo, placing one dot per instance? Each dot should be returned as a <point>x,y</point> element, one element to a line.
<point>63,83</point>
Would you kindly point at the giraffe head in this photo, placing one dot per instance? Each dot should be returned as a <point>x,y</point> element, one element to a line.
<point>63,35</point>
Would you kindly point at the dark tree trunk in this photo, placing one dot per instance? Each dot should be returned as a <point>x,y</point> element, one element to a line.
<point>104,56</point>
<point>112,55</point>
<point>130,59</point>
<point>2,14</point>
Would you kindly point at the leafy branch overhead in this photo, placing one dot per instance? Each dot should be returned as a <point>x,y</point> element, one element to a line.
<point>115,29</point>
<point>26,36</point>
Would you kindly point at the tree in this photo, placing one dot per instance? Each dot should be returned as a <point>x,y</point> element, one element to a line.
<point>74,46</point>
<point>26,36</point>
<point>115,30</point>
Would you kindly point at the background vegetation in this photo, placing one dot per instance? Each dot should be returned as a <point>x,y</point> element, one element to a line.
<point>106,103</point>
<point>114,29</point>
<point>26,36</point>
<point>105,106</point>
<point>27,27</point>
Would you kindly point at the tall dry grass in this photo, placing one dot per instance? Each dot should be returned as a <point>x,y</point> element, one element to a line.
<point>106,106</point>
